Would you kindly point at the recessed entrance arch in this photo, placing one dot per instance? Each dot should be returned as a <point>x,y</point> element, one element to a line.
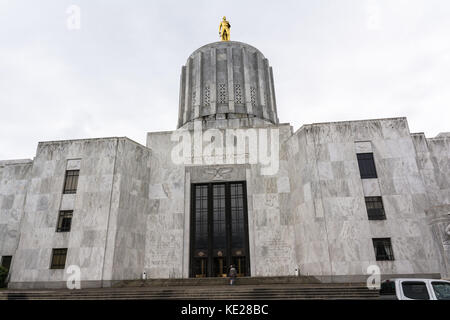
<point>219,229</point>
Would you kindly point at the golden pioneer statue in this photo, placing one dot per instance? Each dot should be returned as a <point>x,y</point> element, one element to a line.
<point>224,30</point>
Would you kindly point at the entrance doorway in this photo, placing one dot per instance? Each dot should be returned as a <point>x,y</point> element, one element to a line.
<point>219,229</point>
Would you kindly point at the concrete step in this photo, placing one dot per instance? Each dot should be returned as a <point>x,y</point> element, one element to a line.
<point>355,297</point>
<point>239,298</point>
<point>215,281</point>
<point>266,292</point>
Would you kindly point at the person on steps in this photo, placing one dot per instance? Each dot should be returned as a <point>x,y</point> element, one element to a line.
<point>232,274</point>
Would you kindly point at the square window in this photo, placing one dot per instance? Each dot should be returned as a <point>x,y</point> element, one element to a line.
<point>366,165</point>
<point>71,181</point>
<point>383,249</point>
<point>6,262</point>
<point>64,221</point>
<point>58,258</point>
<point>375,209</point>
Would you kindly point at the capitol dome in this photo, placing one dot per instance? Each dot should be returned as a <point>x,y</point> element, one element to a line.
<point>227,80</point>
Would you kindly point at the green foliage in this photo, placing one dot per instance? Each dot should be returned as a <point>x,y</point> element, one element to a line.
<point>3,274</point>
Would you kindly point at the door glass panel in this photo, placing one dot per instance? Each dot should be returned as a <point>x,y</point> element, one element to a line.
<point>200,267</point>
<point>219,226</point>
<point>219,231</point>
<point>200,259</point>
<point>239,263</point>
<point>237,216</point>
<point>201,217</point>
<point>220,268</point>
<point>238,229</point>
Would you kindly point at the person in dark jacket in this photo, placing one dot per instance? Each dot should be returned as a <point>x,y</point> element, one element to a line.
<point>232,274</point>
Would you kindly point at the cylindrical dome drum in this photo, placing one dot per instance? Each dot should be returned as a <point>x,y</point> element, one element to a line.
<point>224,80</point>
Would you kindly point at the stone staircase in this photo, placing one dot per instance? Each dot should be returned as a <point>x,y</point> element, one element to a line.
<point>194,282</point>
<point>276,288</point>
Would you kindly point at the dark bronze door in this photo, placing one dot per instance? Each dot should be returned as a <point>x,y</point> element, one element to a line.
<point>219,229</point>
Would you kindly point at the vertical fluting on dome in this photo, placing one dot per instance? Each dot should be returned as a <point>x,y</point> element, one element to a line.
<point>227,80</point>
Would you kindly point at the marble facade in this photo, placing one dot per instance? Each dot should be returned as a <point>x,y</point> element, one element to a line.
<point>131,210</point>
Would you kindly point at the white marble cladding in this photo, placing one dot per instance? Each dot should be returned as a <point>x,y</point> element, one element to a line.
<point>371,187</point>
<point>270,227</point>
<point>68,201</point>
<point>433,159</point>
<point>106,238</point>
<point>132,206</point>
<point>165,217</point>
<point>333,235</point>
<point>439,220</point>
<point>73,164</point>
<point>14,182</point>
<point>363,147</point>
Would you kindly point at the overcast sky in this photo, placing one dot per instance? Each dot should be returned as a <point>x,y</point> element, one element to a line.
<point>118,75</point>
